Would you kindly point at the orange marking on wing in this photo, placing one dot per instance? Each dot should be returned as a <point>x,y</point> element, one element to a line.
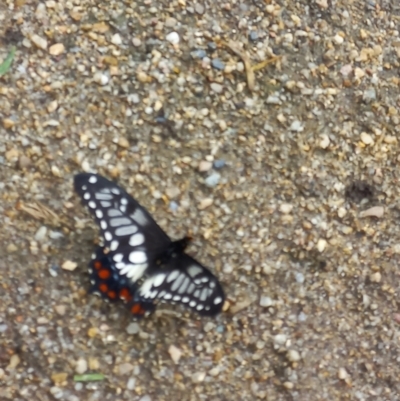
<point>103,287</point>
<point>112,294</point>
<point>125,294</point>
<point>97,265</point>
<point>137,309</point>
<point>104,274</point>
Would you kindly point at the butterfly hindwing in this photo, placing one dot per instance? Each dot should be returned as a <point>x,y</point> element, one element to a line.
<point>128,230</point>
<point>107,282</point>
<point>185,281</point>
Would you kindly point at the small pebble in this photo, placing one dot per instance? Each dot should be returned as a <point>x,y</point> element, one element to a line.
<point>173,38</point>
<point>199,8</point>
<point>321,245</point>
<point>133,328</point>
<point>116,39</point>
<point>81,366</point>
<point>200,54</point>
<point>205,166</point>
<point>217,88</point>
<point>219,164</point>
<point>131,384</point>
<point>39,41</point>
<point>175,353</point>
<point>366,138</point>
<point>293,356</point>
<point>376,211</point>
<point>41,234</point>
<point>324,142</point>
<point>266,302</point>
<point>100,78</point>
<point>198,377</point>
<point>342,374</point>
<point>286,208</point>
<point>217,64</point>
<point>205,203</point>
<point>56,49</point>
<point>69,265</point>
<point>212,180</point>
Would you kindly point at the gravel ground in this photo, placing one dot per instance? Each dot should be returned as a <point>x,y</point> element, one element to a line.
<point>268,129</point>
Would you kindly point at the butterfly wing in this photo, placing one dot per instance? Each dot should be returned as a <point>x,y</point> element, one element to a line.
<point>185,281</point>
<point>107,282</point>
<point>129,232</point>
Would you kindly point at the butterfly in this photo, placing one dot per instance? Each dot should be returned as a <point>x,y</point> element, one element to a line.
<point>141,261</point>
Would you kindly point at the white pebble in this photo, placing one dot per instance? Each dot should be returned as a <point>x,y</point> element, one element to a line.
<point>266,301</point>
<point>342,374</point>
<point>198,377</point>
<point>338,39</point>
<point>173,38</point>
<point>286,208</point>
<point>116,39</point>
<point>376,211</point>
<point>280,339</point>
<point>175,353</point>
<point>100,78</point>
<point>69,265</point>
<point>41,234</point>
<point>293,356</point>
<point>81,366</point>
<point>39,41</point>
<point>366,138</point>
<point>321,245</point>
<point>324,142</point>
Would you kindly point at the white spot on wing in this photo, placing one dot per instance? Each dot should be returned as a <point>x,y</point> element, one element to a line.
<point>119,221</point>
<point>105,203</point>
<point>122,208</point>
<point>199,307</point>
<point>118,257</point>
<point>92,179</point>
<point>125,230</point>
<point>136,271</point>
<point>176,298</point>
<point>167,296</point>
<point>137,257</point>
<point>194,270</point>
<point>158,279</point>
<point>114,213</point>
<point>115,191</point>
<point>101,196</point>
<point>172,276</point>
<point>114,245</point>
<point>92,204</point>
<point>99,213</point>
<point>176,284</point>
<point>192,304</point>
<point>184,285</point>
<point>86,195</point>
<point>103,224</point>
<point>124,201</point>
<point>191,288</point>
<point>107,236</point>
<point>204,294</point>
<point>185,299</point>
<point>139,217</point>
<point>136,239</point>
<point>217,300</point>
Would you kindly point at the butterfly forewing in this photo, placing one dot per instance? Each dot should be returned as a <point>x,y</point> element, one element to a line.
<point>185,281</point>
<point>129,232</point>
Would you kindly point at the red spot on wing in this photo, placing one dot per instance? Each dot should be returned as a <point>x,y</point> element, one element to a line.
<point>137,309</point>
<point>104,274</point>
<point>112,294</point>
<point>97,264</point>
<point>125,294</point>
<point>103,287</point>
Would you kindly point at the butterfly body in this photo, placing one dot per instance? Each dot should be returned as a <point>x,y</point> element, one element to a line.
<point>141,258</point>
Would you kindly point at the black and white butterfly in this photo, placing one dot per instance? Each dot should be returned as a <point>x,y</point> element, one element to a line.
<point>154,267</point>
